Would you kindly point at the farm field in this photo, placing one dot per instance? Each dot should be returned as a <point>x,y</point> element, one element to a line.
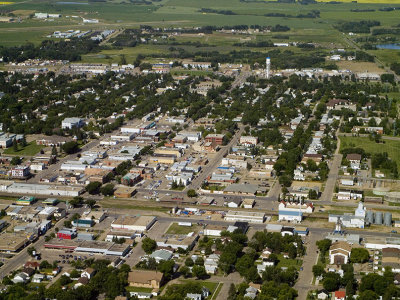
<point>391,147</point>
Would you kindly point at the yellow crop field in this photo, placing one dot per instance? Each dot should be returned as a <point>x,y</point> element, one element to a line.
<point>5,3</point>
<point>368,1</point>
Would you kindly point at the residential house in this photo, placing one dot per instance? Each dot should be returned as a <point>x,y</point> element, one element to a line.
<point>20,278</point>
<point>339,295</point>
<point>211,264</point>
<point>88,273</point>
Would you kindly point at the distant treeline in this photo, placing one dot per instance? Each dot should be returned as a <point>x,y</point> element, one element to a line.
<point>303,2</point>
<point>362,10</point>
<point>311,15</point>
<point>215,11</point>
<point>282,59</point>
<point>262,44</point>
<point>380,31</point>
<point>357,27</point>
<point>60,50</point>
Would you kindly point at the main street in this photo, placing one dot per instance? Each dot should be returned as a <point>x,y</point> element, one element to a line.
<point>206,171</point>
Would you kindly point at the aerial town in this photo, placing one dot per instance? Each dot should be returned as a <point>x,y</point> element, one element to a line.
<point>189,173</point>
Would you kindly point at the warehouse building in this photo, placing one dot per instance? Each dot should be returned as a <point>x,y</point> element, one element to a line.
<point>139,224</point>
<point>245,216</point>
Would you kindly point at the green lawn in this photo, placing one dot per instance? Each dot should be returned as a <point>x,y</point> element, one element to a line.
<point>217,291</point>
<point>30,150</point>
<point>287,262</point>
<point>212,286</point>
<point>138,289</point>
<point>174,228</point>
<point>391,147</point>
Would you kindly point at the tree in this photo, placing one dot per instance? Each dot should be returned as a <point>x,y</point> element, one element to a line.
<point>324,245</point>
<point>93,188</point>
<point>199,261</point>
<point>359,255</point>
<point>318,270</point>
<point>191,193</point>
<point>30,250</point>
<point>226,261</point>
<point>368,295</point>
<point>107,190</point>
<point>90,202</point>
<point>15,145</point>
<point>16,160</point>
<point>54,151</point>
<point>185,271</point>
<point>64,280</point>
<point>74,274</point>
<point>167,268</point>
<point>148,245</point>
<point>199,272</point>
<point>70,147</point>
<point>232,292</point>
<point>330,284</point>
<point>76,201</point>
<point>189,262</point>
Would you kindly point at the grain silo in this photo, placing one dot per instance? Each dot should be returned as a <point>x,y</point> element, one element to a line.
<point>387,220</point>
<point>378,218</point>
<point>369,218</point>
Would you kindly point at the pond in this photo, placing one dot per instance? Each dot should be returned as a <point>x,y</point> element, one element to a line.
<point>389,46</point>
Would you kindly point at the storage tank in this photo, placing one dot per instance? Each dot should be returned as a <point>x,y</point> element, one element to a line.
<point>369,217</point>
<point>378,218</point>
<point>387,220</point>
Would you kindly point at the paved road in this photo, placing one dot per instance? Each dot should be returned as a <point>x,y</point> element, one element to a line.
<point>54,168</point>
<point>327,194</point>
<point>19,260</point>
<point>206,171</point>
<point>304,282</point>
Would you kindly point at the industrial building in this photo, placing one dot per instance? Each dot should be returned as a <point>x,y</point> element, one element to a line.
<point>245,216</point>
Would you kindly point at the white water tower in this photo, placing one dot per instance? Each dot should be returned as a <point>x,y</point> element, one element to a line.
<point>268,67</point>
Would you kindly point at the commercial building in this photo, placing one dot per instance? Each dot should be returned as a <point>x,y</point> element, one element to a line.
<point>248,140</point>
<point>244,189</point>
<point>41,189</point>
<point>26,200</point>
<point>13,242</point>
<point>217,139</point>
<point>66,234</point>
<point>139,224</point>
<point>124,192</point>
<point>291,216</point>
<point>69,123</point>
<point>89,246</point>
<point>185,242</point>
<point>245,216</point>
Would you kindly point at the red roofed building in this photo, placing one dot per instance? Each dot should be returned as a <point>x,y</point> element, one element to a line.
<point>340,295</point>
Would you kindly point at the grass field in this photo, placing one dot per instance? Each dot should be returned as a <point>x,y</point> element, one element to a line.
<point>391,147</point>
<point>174,228</point>
<point>212,286</point>
<point>30,150</point>
<point>287,262</point>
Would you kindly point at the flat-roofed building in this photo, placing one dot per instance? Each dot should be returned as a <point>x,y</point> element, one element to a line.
<point>245,216</point>
<point>185,242</point>
<point>140,224</point>
<point>13,242</point>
